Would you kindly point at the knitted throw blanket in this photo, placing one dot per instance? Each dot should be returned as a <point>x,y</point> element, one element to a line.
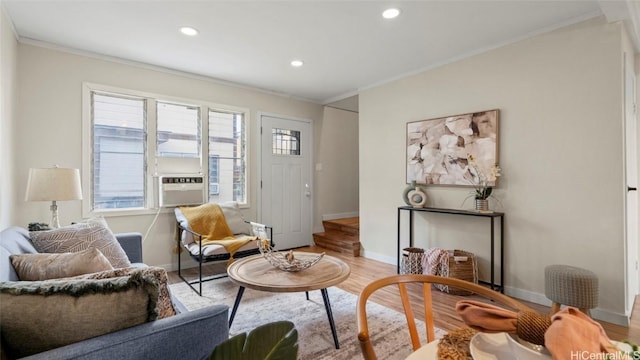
<point>434,261</point>
<point>208,220</point>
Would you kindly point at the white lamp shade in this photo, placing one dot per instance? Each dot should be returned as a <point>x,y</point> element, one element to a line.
<point>53,184</point>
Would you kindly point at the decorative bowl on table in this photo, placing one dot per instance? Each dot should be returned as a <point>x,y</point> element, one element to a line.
<point>524,350</point>
<point>287,261</point>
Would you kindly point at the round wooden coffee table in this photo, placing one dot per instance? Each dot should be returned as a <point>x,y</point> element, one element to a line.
<point>255,272</point>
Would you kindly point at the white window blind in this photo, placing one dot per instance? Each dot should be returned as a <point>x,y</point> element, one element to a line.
<point>178,130</point>
<point>118,152</point>
<point>227,144</point>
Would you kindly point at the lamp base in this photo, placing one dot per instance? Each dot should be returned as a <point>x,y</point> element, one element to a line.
<point>55,222</point>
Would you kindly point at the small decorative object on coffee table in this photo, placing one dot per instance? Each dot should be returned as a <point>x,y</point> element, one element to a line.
<point>255,273</point>
<point>287,261</point>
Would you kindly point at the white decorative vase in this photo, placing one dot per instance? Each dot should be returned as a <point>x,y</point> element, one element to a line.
<point>417,198</point>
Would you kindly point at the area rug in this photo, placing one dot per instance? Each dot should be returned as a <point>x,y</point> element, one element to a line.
<point>388,328</point>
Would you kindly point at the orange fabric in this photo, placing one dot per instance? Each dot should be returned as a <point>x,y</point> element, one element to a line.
<point>573,332</point>
<point>486,317</point>
<point>208,220</point>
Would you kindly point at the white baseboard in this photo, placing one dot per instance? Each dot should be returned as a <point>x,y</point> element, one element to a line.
<point>187,263</point>
<point>538,298</point>
<point>379,257</point>
<point>168,267</point>
<point>340,215</point>
<point>521,294</point>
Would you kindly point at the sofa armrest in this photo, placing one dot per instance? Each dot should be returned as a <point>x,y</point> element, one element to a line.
<point>132,244</point>
<point>190,335</point>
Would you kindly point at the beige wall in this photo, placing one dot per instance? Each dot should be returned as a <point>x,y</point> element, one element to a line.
<point>561,151</point>
<point>49,124</point>
<point>336,166</point>
<point>8,53</point>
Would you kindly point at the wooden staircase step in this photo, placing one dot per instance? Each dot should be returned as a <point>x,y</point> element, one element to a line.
<point>338,241</point>
<point>347,225</point>
<point>341,235</point>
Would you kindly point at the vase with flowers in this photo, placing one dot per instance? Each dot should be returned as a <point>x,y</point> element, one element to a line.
<point>483,182</point>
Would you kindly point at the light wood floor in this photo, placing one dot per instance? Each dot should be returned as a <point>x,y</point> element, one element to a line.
<point>364,270</point>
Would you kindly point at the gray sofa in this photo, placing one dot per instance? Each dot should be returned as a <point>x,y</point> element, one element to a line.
<point>187,335</point>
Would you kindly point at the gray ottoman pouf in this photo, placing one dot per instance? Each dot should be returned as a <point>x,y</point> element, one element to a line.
<point>572,286</point>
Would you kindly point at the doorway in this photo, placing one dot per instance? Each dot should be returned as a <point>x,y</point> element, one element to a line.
<point>285,184</point>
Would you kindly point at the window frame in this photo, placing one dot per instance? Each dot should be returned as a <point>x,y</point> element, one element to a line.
<point>247,149</point>
<point>151,153</point>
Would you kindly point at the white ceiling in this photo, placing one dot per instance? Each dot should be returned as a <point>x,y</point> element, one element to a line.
<point>346,45</point>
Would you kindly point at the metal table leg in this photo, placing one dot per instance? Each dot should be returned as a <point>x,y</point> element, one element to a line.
<point>327,306</point>
<point>236,304</point>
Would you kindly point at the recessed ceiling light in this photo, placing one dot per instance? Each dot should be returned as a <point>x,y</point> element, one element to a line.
<point>296,63</point>
<point>390,13</point>
<point>187,30</point>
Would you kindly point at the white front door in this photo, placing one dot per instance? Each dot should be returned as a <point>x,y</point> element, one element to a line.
<point>285,200</point>
<point>631,173</point>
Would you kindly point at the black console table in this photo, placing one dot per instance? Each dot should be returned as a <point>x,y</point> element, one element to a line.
<point>492,216</point>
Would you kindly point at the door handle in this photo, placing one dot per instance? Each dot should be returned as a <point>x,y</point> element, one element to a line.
<point>308,192</point>
<point>631,188</point>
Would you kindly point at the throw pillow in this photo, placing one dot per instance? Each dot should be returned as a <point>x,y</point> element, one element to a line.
<point>165,306</point>
<point>93,232</point>
<point>43,315</point>
<point>34,267</point>
<point>234,218</point>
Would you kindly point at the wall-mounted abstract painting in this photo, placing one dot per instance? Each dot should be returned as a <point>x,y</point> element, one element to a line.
<point>442,151</point>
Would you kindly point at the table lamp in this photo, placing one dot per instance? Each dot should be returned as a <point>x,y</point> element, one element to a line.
<point>53,184</point>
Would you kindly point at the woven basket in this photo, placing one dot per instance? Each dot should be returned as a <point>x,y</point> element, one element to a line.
<point>462,269</point>
<point>411,262</point>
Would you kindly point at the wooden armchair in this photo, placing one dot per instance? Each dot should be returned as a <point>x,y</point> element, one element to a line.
<point>426,280</point>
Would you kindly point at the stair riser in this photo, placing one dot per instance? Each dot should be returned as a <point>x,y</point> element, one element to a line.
<point>350,252</point>
<point>351,248</point>
<point>338,237</point>
<point>336,243</point>
<point>328,226</point>
<point>341,235</point>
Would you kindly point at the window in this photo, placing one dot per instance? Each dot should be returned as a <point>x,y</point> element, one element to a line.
<point>214,177</point>
<point>178,130</point>
<point>285,142</point>
<point>227,146</point>
<point>118,152</point>
<point>134,137</point>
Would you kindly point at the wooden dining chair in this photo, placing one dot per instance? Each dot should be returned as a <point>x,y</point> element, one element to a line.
<point>426,280</point>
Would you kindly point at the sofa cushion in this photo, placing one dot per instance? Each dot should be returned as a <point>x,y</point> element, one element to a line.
<point>165,306</point>
<point>13,240</point>
<point>34,267</point>
<point>93,232</point>
<point>42,315</point>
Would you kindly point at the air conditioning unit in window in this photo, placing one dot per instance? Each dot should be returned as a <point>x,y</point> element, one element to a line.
<point>181,190</point>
